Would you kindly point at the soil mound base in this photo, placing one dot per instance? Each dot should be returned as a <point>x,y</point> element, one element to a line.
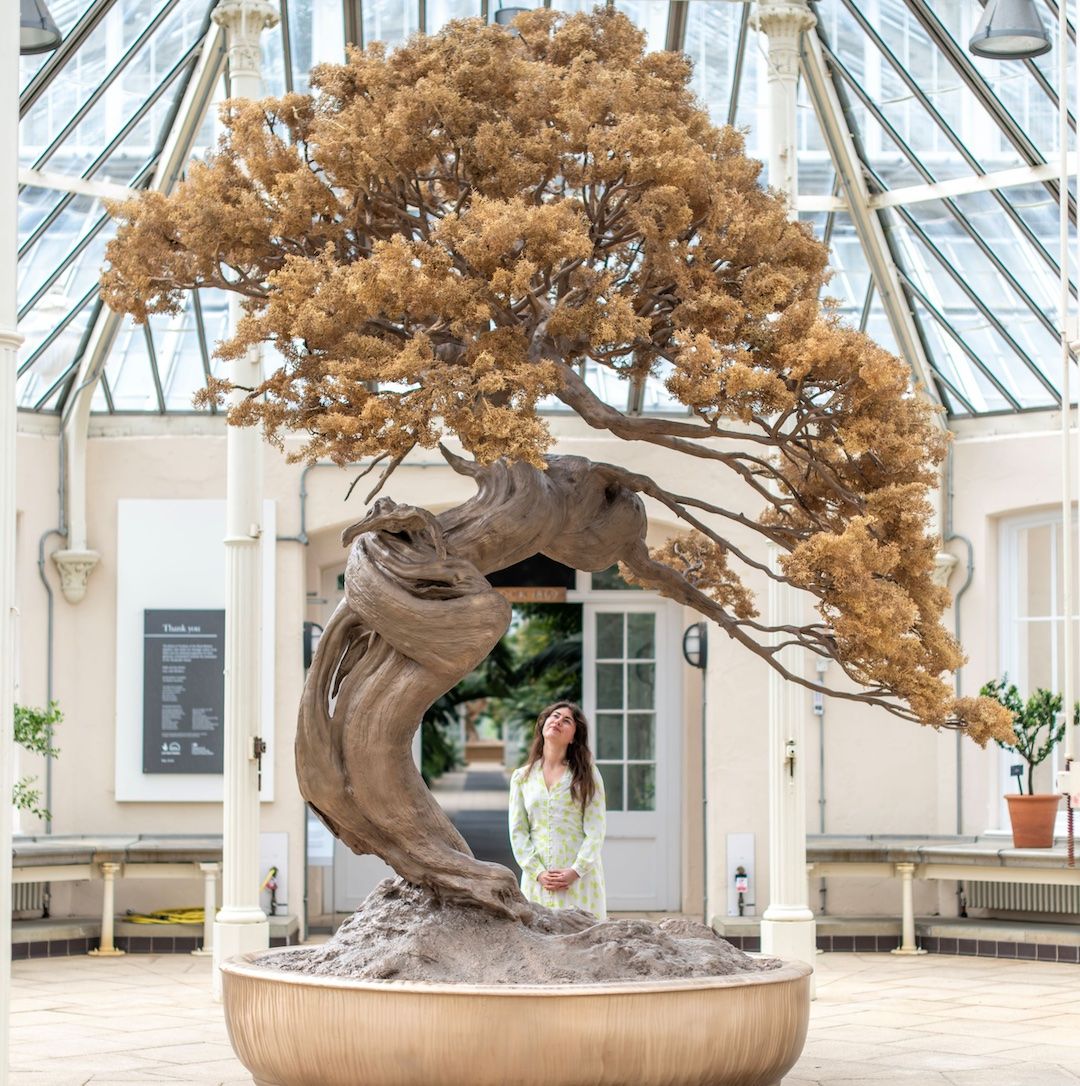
<point>402,932</point>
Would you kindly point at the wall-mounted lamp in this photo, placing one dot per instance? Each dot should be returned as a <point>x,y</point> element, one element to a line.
<point>1010,30</point>
<point>695,644</point>
<point>38,32</point>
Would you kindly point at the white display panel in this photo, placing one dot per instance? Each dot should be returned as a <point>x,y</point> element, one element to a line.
<point>171,554</point>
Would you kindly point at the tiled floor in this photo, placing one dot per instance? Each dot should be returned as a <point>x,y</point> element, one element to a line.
<point>878,1019</point>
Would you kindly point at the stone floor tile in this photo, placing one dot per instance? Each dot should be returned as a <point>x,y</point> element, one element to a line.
<point>1026,1074</point>
<point>868,1034</point>
<point>835,1048</point>
<point>188,1054</point>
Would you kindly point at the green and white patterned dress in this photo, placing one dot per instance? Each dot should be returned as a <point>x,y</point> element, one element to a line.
<point>548,831</point>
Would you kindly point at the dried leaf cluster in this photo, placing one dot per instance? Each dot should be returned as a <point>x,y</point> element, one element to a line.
<point>438,237</point>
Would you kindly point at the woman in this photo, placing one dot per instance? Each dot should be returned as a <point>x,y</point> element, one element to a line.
<point>557,815</point>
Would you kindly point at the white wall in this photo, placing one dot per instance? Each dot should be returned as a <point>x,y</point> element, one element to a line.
<point>882,775</point>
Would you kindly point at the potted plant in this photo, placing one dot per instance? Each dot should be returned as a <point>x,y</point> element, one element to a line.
<point>1039,725</point>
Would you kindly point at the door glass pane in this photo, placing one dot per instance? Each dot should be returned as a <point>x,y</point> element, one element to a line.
<point>641,787</point>
<point>641,686</point>
<point>609,636</point>
<point>613,785</point>
<point>609,736</point>
<point>641,736</point>
<point>1039,600</point>
<point>609,686</point>
<point>641,636</point>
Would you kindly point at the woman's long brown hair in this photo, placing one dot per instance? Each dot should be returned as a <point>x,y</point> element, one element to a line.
<point>578,755</point>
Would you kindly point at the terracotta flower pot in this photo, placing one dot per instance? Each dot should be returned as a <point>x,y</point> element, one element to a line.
<point>1032,820</point>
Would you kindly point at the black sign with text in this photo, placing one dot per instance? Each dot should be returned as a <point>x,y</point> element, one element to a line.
<point>183,691</point>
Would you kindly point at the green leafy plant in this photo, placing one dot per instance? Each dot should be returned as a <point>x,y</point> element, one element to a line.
<point>34,732</point>
<point>1040,714</point>
<point>537,662</point>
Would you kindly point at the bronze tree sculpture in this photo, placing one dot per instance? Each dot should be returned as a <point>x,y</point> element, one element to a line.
<point>434,241</point>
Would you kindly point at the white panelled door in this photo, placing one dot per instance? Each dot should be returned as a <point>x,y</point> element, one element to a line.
<point>631,698</point>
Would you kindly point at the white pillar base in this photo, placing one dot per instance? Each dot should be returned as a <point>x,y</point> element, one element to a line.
<point>789,932</point>
<point>904,951</point>
<point>237,931</point>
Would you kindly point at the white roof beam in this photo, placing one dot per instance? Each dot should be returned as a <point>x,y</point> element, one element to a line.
<point>943,190</point>
<point>81,186</point>
<point>961,186</point>
<point>849,170</point>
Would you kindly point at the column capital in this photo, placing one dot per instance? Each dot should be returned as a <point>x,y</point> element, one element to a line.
<point>783,23</point>
<point>779,18</point>
<point>243,21</point>
<point>245,18</point>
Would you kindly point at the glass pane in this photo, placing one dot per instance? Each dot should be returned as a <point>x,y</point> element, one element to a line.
<point>650,17</point>
<point>641,787</point>
<point>440,12</point>
<point>391,21</point>
<point>316,36</point>
<point>641,636</point>
<point>608,579</point>
<point>609,636</point>
<point>1059,574</point>
<point>1037,657</point>
<point>642,686</point>
<point>1036,553</point>
<point>641,735</point>
<point>609,686</point>
<point>613,785</point>
<point>609,735</point>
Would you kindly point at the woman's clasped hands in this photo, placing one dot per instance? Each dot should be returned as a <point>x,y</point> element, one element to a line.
<point>558,878</point>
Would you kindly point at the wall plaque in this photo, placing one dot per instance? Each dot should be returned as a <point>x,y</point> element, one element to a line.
<point>183,691</point>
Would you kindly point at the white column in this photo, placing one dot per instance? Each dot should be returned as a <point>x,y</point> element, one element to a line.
<point>1068,780</point>
<point>210,873</point>
<point>9,346</point>
<point>906,872</point>
<point>107,948</point>
<point>787,925</point>
<point>241,925</point>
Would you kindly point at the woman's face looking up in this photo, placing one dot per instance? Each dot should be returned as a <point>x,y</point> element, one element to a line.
<point>560,725</point>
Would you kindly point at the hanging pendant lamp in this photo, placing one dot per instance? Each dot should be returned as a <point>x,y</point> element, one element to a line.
<point>1010,30</point>
<point>38,32</point>
<point>505,16</point>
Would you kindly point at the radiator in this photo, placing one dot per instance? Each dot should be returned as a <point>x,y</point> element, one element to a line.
<point>1023,897</point>
<point>28,897</point>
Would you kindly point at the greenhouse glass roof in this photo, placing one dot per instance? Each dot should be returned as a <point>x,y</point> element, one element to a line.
<point>931,174</point>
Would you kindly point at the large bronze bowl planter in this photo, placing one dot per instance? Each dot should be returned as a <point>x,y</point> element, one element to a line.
<point>294,1030</point>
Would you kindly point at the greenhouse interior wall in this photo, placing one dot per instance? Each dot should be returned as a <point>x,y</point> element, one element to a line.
<point>882,776</point>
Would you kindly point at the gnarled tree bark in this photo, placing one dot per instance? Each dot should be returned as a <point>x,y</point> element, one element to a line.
<point>418,616</point>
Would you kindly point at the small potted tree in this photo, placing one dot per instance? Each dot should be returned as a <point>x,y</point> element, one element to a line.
<point>1039,725</point>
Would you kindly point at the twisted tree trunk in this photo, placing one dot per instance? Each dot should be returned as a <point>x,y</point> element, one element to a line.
<point>418,616</point>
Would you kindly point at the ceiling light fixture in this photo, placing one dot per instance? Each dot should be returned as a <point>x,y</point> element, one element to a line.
<point>1010,30</point>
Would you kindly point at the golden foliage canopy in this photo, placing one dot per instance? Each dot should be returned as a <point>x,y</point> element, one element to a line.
<point>437,237</point>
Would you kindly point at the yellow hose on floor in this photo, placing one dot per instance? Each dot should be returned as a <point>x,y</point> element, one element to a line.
<point>166,916</point>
